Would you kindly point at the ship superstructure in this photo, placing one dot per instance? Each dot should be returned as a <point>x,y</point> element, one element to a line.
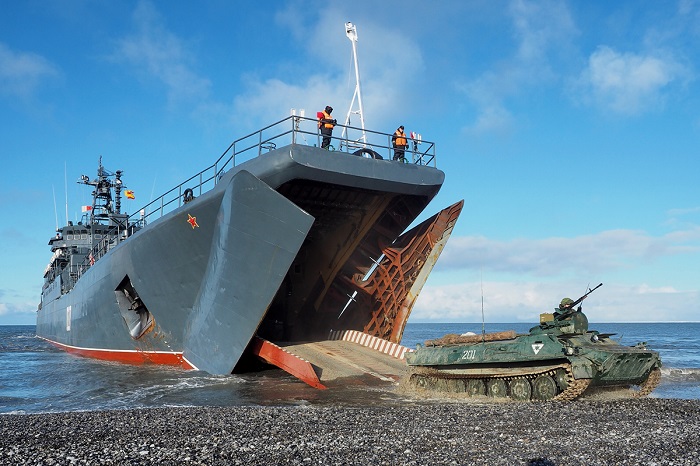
<point>101,228</point>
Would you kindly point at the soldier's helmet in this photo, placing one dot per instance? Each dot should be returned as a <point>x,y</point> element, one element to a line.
<point>566,302</point>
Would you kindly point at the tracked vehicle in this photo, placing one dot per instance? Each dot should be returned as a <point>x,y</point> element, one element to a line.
<point>557,360</point>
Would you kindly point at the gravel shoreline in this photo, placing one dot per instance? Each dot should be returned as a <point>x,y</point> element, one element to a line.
<point>647,431</point>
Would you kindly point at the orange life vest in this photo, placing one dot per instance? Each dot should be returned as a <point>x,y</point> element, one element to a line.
<point>399,138</point>
<point>326,116</point>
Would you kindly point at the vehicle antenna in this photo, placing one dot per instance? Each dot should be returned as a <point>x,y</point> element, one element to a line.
<point>483,324</point>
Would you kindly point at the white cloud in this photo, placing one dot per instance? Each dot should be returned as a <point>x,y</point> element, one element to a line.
<point>629,83</point>
<point>553,268</point>
<point>541,31</point>
<point>22,72</point>
<point>154,51</point>
<point>540,27</point>
<point>683,211</point>
<point>331,79</point>
<point>689,10</point>
<point>590,254</point>
<point>513,301</point>
<point>524,301</point>
<point>21,309</point>
<point>312,95</point>
<point>492,118</point>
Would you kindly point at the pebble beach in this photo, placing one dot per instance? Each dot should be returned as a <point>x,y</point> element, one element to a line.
<point>647,431</point>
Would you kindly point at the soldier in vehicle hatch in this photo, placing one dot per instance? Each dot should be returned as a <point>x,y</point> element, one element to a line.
<point>564,307</point>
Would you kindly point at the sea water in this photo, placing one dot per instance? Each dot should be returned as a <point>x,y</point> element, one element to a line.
<point>36,377</point>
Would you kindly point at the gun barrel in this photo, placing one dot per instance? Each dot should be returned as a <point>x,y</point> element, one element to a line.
<point>585,295</point>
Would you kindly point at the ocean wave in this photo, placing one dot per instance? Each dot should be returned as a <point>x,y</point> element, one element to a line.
<point>24,342</point>
<point>17,411</point>
<point>682,374</point>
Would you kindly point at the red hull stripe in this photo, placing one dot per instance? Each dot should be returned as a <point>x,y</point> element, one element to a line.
<point>167,358</point>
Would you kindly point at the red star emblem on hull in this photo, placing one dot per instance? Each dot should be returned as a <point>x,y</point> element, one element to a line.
<point>192,221</point>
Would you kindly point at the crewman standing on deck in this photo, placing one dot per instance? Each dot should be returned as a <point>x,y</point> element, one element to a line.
<point>400,143</point>
<point>326,123</point>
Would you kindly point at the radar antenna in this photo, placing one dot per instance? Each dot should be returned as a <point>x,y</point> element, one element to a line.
<point>103,208</point>
<point>351,32</point>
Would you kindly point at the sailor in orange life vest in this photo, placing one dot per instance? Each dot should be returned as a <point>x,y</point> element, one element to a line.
<point>326,123</point>
<point>400,143</point>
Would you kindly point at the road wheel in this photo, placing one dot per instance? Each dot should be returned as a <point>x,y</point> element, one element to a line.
<point>476,387</point>
<point>456,385</point>
<point>544,388</point>
<point>496,388</point>
<point>422,381</point>
<point>562,379</point>
<point>520,389</point>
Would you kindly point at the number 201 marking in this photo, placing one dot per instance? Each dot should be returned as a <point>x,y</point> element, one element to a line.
<point>469,354</point>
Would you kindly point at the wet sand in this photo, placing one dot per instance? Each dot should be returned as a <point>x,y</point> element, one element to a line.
<point>647,431</point>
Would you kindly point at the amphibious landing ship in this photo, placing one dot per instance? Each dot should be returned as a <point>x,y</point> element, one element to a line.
<point>277,244</point>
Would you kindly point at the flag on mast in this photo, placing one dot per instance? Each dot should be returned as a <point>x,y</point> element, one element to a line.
<point>129,194</point>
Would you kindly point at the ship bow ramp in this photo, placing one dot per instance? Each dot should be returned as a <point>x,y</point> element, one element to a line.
<point>258,234</point>
<point>359,268</point>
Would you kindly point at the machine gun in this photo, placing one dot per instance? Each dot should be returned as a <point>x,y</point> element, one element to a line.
<point>568,309</point>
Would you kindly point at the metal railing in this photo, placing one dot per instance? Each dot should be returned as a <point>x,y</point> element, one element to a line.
<point>294,130</point>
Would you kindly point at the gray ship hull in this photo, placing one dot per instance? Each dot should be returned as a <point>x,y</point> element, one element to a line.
<point>274,249</point>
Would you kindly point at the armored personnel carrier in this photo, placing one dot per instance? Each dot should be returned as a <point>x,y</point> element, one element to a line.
<point>557,360</point>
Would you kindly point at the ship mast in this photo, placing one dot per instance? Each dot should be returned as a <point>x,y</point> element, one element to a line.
<point>103,209</point>
<point>351,32</point>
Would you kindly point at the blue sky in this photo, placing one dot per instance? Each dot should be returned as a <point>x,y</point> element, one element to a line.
<point>570,129</point>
